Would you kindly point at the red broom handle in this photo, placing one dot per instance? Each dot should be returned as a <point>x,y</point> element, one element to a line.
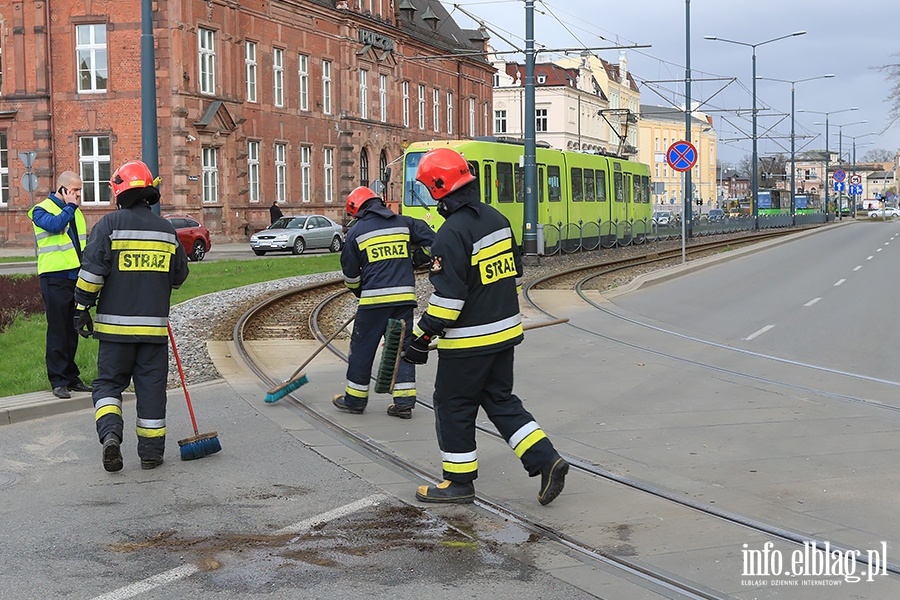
<point>187,396</point>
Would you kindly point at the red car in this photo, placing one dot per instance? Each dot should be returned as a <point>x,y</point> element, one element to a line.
<point>193,235</point>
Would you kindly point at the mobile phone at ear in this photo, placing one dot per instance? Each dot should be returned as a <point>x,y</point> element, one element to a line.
<point>63,189</point>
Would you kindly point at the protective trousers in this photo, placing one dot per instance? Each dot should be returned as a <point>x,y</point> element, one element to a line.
<point>147,365</point>
<point>464,384</point>
<point>368,332</point>
<point>62,339</point>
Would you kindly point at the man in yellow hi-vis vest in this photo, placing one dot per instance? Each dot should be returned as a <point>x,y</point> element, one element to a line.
<point>61,234</point>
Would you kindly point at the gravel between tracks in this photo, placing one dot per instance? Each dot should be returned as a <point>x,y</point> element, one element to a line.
<point>212,317</point>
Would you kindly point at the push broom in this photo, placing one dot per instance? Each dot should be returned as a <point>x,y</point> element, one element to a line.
<point>298,378</point>
<point>198,445</point>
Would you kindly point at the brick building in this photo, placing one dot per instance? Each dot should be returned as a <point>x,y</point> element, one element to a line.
<point>297,101</point>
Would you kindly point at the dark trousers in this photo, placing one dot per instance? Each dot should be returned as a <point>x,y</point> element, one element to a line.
<point>118,364</point>
<point>62,339</point>
<point>461,386</point>
<point>368,333</point>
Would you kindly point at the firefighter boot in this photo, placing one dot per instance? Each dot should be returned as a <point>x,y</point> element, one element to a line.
<point>340,402</point>
<point>447,492</point>
<point>401,412</point>
<point>553,479</point>
<point>151,463</point>
<point>112,454</point>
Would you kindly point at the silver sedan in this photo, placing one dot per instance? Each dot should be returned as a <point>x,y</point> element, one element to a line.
<point>297,234</point>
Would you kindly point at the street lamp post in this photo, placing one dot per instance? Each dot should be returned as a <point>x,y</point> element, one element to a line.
<point>755,172</point>
<point>793,135</point>
<point>827,157</point>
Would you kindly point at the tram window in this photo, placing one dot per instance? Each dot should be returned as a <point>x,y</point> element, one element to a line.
<point>504,182</point>
<point>554,194</point>
<point>577,186</point>
<point>488,183</point>
<point>589,185</point>
<point>618,187</point>
<point>645,181</point>
<point>520,183</point>
<point>540,184</point>
<point>601,186</point>
<point>636,189</point>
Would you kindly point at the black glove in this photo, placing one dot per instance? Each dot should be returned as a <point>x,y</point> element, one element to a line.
<point>416,352</point>
<point>84,325</point>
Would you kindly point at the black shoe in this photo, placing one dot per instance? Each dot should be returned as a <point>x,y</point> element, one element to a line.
<point>340,402</point>
<point>401,412</point>
<point>62,392</point>
<point>151,463</point>
<point>112,454</point>
<point>79,387</point>
<point>553,479</point>
<point>447,492</point>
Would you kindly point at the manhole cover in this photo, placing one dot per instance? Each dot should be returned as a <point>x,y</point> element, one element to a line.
<point>7,479</point>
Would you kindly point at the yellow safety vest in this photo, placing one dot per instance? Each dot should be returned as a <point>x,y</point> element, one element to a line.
<point>55,250</point>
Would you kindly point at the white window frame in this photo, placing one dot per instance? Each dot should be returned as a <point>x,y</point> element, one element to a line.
<point>541,120</point>
<point>500,125</point>
<point>253,171</point>
<point>96,53</point>
<point>303,79</point>
<point>328,169</point>
<point>326,86</point>
<point>471,117</point>
<point>485,111</point>
<point>281,173</point>
<point>363,93</point>
<point>406,104</point>
<point>305,174</point>
<point>382,97</point>
<point>92,173</point>
<point>210,170</point>
<point>250,67</point>
<point>449,113</point>
<point>421,106</point>
<point>278,77</point>
<point>4,169</point>
<point>436,109</point>
<point>207,55</point>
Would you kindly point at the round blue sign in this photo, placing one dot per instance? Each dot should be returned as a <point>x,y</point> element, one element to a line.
<point>681,156</point>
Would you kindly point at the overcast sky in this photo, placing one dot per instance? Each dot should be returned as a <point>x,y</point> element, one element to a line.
<point>849,43</point>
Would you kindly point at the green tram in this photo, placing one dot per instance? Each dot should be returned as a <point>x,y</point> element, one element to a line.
<point>776,202</point>
<point>584,200</point>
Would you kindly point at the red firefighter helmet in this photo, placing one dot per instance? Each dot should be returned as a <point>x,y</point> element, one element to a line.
<point>132,175</point>
<point>358,197</point>
<point>443,170</point>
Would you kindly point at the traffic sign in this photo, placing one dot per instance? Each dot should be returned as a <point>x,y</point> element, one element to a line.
<point>839,186</point>
<point>29,182</point>
<point>681,156</point>
<point>839,175</point>
<point>856,179</point>
<point>856,189</point>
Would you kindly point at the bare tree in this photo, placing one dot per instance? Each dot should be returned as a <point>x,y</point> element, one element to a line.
<point>771,170</point>
<point>878,155</point>
<point>893,96</point>
<point>745,166</point>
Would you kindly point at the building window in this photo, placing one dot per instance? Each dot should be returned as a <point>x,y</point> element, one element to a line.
<point>499,121</point>
<point>250,68</point>
<point>93,156</point>
<point>281,172</point>
<point>305,173</point>
<point>406,104</point>
<point>207,61</point>
<point>382,166</point>
<point>1,67</point>
<point>4,170</point>
<point>278,75</point>
<point>303,78</point>
<point>496,79</point>
<point>253,171</point>
<point>210,170</point>
<point>471,117</point>
<point>326,87</point>
<point>363,167</point>
<point>421,107</point>
<point>436,109</point>
<point>329,174</point>
<point>449,112</point>
<point>484,118</point>
<point>540,119</point>
<point>363,93</point>
<point>90,48</point>
<point>382,97</point>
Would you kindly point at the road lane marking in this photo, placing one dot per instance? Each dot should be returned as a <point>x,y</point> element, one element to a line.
<point>839,282</point>
<point>870,258</point>
<point>879,250</point>
<point>758,333</point>
<point>811,302</point>
<point>857,268</point>
<point>155,581</point>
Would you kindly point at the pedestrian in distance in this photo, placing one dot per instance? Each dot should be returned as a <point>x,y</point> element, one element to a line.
<point>380,254</point>
<point>130,266</point>
<point>275,212</point>
<point>60,233</point>
<point>476,272</point>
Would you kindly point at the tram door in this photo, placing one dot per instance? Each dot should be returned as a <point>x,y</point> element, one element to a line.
<point>629,198</point>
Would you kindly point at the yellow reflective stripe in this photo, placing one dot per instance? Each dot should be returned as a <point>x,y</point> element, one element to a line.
<point>466,467</point>
<point>349,391</point>
<point>150,433</point>
<point>447,314</point>
<point>130,329</point>
<point>533,438</point>
<point>387,298</point>
<point>384,239</point>
<point>110,409</point>
<point>492,250</point>
<point>479,341</point>
<point>404,393</point>
<point>88,286</point>
<point>143,245</point>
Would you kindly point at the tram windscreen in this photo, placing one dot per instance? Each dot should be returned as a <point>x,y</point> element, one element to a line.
<point>414,193</point>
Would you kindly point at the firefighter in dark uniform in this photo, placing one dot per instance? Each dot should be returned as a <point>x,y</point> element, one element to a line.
<point>474,311</point>
<point>133,260</point>
<point>380,254</point>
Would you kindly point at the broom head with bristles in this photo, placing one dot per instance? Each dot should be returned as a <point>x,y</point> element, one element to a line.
<point>199,446</point>
<point>390,356</point>
<point>280,391</point>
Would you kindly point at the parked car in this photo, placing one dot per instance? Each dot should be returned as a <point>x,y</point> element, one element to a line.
<point>715,214</point>
<point>664,217</point>
<point>890,212</point>
<point>192,235</point>
<point>298,233</point>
